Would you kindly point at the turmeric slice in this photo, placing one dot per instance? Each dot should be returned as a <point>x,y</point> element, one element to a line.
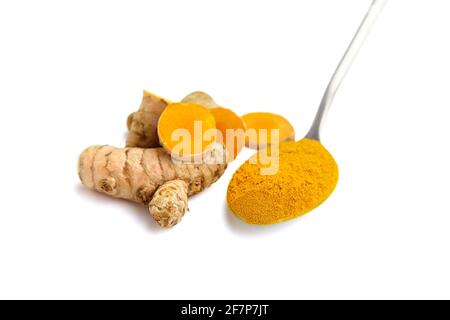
<point>232,130</point>
<point>260,126</point>
<point>186,130</point>
<point>143,124</point>
<point>228,123</point>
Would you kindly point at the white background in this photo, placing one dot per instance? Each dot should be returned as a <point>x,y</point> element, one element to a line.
<point>71,72</point>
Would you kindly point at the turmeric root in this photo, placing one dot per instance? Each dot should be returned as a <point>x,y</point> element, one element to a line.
<point>169,203</point>
<point>143,124</point>
<point>262,124</point>
<point>229,124</point>
<point>150,177</point>
<point>186,130</point>
<point>201,98</point>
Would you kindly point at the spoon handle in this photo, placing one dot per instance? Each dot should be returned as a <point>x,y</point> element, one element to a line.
<point>344,65</point>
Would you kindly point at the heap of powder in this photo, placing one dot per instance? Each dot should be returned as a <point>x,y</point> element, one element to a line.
<point>307,176</point>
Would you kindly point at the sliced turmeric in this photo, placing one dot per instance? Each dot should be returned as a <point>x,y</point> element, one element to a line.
<point>150,177</point>
<point>228,123</point>
<point>186,129</point>
<point>232,130</point>
<point>259,129</point>
<point>143,124</point>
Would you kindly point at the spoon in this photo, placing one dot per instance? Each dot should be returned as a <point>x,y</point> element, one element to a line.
<point>344,65</point>
<point>306,174</point>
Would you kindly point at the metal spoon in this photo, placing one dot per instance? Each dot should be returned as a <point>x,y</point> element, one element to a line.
<point>343,67</point>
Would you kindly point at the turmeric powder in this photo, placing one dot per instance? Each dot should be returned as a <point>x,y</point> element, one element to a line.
<point>307,176</point>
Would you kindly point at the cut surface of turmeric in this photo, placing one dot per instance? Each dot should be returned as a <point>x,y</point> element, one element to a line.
<point>262,124</point>
<point>306,177</point>
<point>232,130</point>
<point>228,123</point>
<point>186,129</point>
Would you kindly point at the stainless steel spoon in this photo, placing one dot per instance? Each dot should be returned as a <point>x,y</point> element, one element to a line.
<point>343,67</point>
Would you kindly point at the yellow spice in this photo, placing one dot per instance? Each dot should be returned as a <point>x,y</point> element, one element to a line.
<point>307,176</point>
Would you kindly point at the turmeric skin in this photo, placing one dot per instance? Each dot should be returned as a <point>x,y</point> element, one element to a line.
<point>169,203</point>
<point>150,177</point>
<point>142,124</point>
<point>201,98</point>
<point>307,176</point>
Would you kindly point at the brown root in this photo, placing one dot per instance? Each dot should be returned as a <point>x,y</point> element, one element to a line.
<point>143,124</point>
